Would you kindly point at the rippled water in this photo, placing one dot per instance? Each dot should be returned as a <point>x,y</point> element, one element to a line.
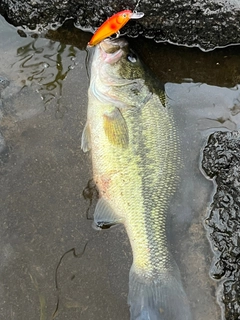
<point>34,58</point>
<point>44,174</point>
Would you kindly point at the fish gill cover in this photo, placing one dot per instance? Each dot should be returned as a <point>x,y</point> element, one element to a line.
<point>221,160</point>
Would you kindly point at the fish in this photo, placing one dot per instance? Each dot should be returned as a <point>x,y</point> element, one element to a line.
<point>113,25</point>
<point>135,150</point>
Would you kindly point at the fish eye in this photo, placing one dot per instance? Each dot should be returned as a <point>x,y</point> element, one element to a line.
<point>132,57</point>
<point>124,15</point>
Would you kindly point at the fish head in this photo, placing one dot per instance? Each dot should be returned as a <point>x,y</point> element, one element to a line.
<point>121,61</point>
<point>117,72</point>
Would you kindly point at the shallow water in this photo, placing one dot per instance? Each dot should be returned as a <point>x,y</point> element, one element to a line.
<point>44,174</point>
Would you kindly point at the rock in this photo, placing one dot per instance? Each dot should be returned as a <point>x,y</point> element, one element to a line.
<point>4,82</point>
<point>205,24</point>
<point>221,160</point>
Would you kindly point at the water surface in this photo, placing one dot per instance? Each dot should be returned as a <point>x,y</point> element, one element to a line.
<point>44,175</point>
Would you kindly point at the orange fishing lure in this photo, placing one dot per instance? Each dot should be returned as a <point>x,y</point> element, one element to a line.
<point>113,25</point>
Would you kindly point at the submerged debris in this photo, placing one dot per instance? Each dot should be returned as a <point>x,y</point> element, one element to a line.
<point>221,160</point>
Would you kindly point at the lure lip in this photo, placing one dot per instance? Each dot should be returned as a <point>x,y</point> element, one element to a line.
<point>137,15</point>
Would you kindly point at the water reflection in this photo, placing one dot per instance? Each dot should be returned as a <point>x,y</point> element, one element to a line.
<point>220,67</point>
<point>46,64</point>
<point>200,110</point>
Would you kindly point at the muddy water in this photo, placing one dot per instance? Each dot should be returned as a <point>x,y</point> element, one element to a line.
<point>53,265</point>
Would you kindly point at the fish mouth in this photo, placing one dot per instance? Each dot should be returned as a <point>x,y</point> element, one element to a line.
<point>112,50</point>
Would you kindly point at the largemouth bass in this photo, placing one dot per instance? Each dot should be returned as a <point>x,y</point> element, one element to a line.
<point>135,156</point>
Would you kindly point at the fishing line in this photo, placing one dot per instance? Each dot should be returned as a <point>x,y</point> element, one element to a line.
<point>75,255</point>
<point>87,62</point>
<point>135,9</point>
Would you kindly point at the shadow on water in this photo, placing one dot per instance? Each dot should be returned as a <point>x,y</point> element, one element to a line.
<point>90,193</point>
<point>46,199</point>
<point>179,64</point>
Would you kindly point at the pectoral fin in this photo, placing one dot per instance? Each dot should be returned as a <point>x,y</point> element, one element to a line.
<point>104,214</point>
<point>86,139</point>
<point>115,128</point>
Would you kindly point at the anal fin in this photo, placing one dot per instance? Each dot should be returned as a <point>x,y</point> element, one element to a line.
<point>104,215</point>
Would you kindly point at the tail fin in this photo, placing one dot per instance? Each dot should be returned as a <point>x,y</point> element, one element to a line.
<point>161,298</point>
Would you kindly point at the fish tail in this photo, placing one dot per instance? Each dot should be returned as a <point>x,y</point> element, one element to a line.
<point>159,298</point>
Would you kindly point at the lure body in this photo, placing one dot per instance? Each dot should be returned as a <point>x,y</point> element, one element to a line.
<point>113,25</point>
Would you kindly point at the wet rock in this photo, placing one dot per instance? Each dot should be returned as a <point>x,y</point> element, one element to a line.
<point>207,24</point>
<point>221,160</point>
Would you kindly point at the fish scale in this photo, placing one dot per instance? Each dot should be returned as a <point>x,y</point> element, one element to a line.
<point>153,190</point>
<point>135,156</point>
